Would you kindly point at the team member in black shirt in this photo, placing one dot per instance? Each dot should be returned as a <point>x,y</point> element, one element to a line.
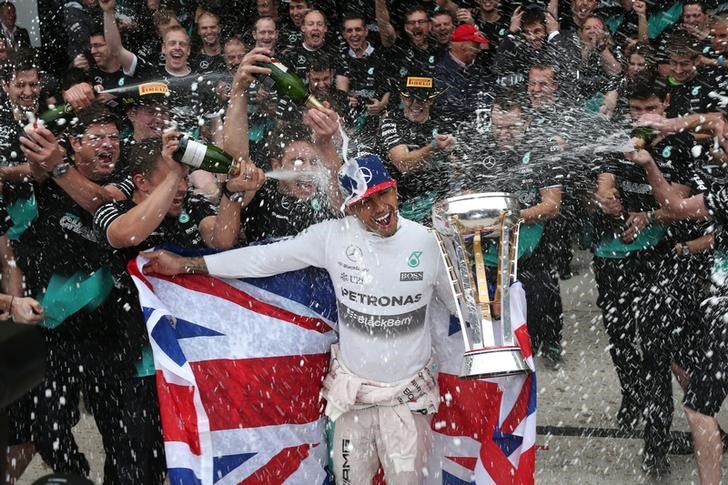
<point>308,192</point>
<point>21,85</point>
<point>159,211</point>
<point>290,27</point>
<point>633,262</point>
<point>415,51</point>
<point>299,57</point>
<point>689,89</point>
<point>418,146</point>
<point>369,88</point>
<point>708,386</point>
<point>209,58</point>
<point>492,23</point>
<point>86,352</point>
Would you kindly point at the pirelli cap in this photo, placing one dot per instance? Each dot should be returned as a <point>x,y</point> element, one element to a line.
<point>420,87</point>
<point>363,176</point>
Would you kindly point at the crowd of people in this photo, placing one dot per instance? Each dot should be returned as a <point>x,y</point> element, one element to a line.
<point>432,98</point>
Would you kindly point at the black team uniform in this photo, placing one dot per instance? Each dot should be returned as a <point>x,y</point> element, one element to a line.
<point>272,214</point>
<point>87,352</point>
<point>141,407</point>
<point>418,189</point>
<point>642,296</point>
<point>692,96</point>
<point>18,196</point>
<point>368,78</point>
<point>708,385</point>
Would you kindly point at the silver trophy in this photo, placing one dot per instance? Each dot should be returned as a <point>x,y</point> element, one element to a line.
<point>466,226</point>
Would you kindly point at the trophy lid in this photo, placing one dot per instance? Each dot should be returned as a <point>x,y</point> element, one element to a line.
<point>481,211</point>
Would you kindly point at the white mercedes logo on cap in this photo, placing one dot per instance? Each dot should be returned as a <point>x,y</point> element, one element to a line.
<point>366,173</point>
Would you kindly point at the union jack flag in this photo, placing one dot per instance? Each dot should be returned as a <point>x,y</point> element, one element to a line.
<point>239,369</point>
<point>485,430</point>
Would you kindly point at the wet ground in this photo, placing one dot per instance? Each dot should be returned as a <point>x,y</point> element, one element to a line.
<point>578,441</point>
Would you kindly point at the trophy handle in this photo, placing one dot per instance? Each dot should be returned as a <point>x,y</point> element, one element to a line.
<point>486,316</point>
<point>456,288</point>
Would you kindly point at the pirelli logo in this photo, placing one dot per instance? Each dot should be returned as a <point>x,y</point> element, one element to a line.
<point>419,82</point>
<point>153,88</point>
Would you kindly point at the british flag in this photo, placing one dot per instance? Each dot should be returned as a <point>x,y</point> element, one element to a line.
<point>485,430</point>
<point>239,369</point>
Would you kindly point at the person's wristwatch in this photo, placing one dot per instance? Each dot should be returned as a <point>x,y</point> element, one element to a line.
<point>237,197</point>
<point>60,170</point>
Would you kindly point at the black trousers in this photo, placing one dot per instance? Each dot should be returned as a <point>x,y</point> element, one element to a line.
<point>125,409</point>
<point>646,306</point>
<point>545,316</point>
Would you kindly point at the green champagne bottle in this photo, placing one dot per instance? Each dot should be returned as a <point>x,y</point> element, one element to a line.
<point>203,156</point>
<point>56,119</point>
<point>644,133</point>
<point>288,84</point>
<point>673,82</point>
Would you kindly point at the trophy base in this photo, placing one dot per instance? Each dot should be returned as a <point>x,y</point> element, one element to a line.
<point>493,362</point>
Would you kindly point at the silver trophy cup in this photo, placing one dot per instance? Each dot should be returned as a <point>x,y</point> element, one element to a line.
<point>467,226</point>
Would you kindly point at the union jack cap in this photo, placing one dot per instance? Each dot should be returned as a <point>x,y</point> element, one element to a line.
<point>362,176</point>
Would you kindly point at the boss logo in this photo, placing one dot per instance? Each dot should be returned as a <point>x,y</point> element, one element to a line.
<point>411,276</point>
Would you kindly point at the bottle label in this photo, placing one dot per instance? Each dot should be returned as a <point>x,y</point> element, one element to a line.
<point>194,154</point>
<point>279,65</point>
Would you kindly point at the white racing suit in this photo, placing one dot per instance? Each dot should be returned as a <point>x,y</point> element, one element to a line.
<point>384,286</point>
<point>378,422</point>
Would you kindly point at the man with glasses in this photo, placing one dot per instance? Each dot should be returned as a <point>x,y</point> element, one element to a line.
<point>416,51</point>
<point>418,147</point>
<point>86,353</point>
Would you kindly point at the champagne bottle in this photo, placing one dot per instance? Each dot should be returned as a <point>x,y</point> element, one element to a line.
<point>203,156</point>
<point>673,82</point>
<point>288,84</point>
<point>56,119</point>
<point>645,133</point>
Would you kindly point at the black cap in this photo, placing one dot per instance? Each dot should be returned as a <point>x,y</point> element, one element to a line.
<point>420,87</point>
<point>151,100</point>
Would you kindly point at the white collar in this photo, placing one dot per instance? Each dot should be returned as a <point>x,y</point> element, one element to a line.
<point>189,71</point>
<point>309,48</point>
<point>367,52</point>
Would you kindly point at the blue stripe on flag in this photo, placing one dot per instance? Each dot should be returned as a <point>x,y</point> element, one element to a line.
<point>183,476</point>
<point>508,443</point>
<point>186,329</point>
<point>297,285</point>
<point>448,479</point>
<point>222,465</point>
<point>164,335</point>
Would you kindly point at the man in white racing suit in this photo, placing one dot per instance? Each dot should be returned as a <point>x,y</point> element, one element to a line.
<point>381,388</point>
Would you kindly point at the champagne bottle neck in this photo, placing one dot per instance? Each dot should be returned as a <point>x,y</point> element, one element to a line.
<point>313,102</point>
